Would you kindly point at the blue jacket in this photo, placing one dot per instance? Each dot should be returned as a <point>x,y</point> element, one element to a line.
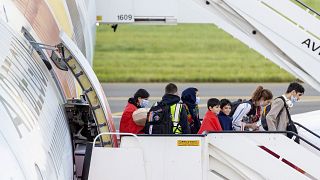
<point>225,121</point>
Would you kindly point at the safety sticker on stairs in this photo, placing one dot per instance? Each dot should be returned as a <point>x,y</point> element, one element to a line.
<point>188,142</point>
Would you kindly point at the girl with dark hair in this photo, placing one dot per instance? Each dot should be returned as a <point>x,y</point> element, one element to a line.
<point>139,100</point>
<point>248,113</point>
<point>190,98</point>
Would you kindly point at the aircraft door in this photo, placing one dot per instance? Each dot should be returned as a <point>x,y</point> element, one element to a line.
<point>91,87</point>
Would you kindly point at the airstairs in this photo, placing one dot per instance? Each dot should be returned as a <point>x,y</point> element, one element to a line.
<point>286,32</point>
<point>309,128</point>
<point>227,155</point>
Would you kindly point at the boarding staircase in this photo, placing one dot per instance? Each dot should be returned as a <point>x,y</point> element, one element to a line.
<point>282,31</point>
<point>230,155</point>
<point>226,155</point>
<point>286,32</point>
<point>309,128</point>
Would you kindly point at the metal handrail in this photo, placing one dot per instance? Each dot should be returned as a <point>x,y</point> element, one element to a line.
<point>173,135</point>
<point>223,132</point>
<point>308,130</point>
<point>268,132</point>
<point>126,134</point>
<point>114,133</point>
<point>306,6</point>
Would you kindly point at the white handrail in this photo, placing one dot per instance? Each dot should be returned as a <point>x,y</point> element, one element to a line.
<point>130,134</point>
<point>115,133</point>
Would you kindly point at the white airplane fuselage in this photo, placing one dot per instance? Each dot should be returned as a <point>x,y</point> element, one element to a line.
<point>35,140</point>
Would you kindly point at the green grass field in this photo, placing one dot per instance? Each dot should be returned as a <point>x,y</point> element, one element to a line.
<point>182,53</point>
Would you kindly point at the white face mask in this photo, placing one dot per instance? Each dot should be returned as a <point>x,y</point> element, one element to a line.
<point>197,100</point>
<point>261,103</point>
<point>289,103</point>
<point>144,103</point>
<point>293,99</point>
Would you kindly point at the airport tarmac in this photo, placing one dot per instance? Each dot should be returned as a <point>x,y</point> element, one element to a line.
<point>118,94</point>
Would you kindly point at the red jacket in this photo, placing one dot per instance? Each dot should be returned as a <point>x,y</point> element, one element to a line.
<point>127,124</point>
<point>210,123</point>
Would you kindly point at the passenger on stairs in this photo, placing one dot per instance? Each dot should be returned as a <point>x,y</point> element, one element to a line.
<point>248,113</point>
<point>224,118</point>
<point>168,116</point>
<point>190,99</point>
<point>277,118</point>
<point>139,100</point>
<point>210,120</point>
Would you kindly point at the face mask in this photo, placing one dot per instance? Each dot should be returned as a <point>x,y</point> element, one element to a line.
<point>144,103</point>
<point>261,103</point>
<point>293,99</point>
<point>289,103</point>
<point>197,100</point>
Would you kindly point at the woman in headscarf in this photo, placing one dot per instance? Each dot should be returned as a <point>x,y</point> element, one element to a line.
<point>190,98</point>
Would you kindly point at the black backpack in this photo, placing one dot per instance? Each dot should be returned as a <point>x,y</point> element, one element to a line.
<point>235,104</point>
<point>159,119</point>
